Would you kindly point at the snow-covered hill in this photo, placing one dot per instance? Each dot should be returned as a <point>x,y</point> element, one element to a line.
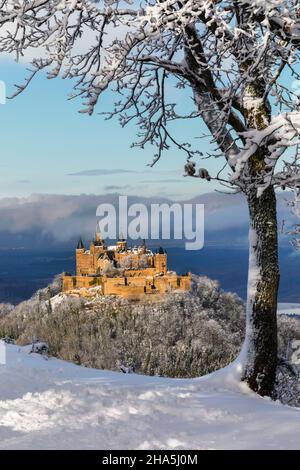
<point>47,404</point>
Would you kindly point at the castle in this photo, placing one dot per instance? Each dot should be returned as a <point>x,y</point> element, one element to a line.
<point>130,272</point>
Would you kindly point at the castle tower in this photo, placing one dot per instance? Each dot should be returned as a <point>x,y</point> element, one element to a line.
<point>80,245</point>
<point>97,245</point>
<point>79,254</point>
<point>160,261</point>
<point>97,248</point>
<point>98,238</point>
<point>121,243</point>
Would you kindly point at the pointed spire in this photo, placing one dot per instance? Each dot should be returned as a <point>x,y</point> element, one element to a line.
<point>80,245</point>
<point>121,237</point>
<point>98,241</point>
<point>98,237</point>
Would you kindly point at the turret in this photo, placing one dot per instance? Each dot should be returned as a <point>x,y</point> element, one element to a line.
<point>97,247</point>
<point>80,255</point>
<point>160,261</point>
<point>80,245</point>
<point>143,246</point>
<point>98,239</point>
<point>121,243</point>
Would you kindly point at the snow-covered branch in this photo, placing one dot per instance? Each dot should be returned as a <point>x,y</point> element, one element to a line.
<point>229,54</point>
<point>282,133</point>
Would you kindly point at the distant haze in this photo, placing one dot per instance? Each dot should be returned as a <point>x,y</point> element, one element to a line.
<point>42,220</point>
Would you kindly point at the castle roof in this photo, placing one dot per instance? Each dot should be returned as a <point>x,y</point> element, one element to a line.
<point>97,243</point>
<point>110,255</point>
<point>80,245</point>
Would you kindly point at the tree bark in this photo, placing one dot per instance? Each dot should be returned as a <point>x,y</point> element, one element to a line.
<point>263,281</point>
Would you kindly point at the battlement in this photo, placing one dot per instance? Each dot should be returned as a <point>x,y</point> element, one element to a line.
<point>122,270</point>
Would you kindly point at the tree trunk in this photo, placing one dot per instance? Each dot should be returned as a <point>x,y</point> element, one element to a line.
<point>263,281</point>
<point>259,354</point>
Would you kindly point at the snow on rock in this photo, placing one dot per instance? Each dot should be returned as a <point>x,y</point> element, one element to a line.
<point>52,404</point>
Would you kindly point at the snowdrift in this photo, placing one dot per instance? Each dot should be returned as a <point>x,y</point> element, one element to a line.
<point>52,404</point>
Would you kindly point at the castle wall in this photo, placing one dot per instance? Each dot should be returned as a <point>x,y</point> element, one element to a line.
<point>116,286</point>
<point>131,286</point>
<point>140,272</point>
<point>69,282</point>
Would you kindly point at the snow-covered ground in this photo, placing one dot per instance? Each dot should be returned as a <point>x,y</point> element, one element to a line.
<point>52,404</point>
<point>289,308</point>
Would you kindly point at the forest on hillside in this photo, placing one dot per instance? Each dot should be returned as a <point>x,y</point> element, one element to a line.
<point>181,335</point>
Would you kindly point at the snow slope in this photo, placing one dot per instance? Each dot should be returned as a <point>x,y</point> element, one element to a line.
<point>52,404</point>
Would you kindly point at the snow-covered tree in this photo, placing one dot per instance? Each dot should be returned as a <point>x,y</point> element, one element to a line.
<point>295,230</point>
<point>126,262</point>
<point>108,268</point>
<point>231,56</point>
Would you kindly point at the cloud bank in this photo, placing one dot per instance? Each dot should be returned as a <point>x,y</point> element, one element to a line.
<point>58,219</point>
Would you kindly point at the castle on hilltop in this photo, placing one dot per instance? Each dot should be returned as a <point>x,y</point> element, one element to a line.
<point>121,270</point>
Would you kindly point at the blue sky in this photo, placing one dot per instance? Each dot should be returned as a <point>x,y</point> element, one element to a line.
<point>48,147</point>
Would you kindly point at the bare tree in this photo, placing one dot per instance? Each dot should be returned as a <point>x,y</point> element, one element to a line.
<point>231,56</point>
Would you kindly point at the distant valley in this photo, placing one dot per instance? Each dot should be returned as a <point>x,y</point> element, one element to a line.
<point>22,272</point>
